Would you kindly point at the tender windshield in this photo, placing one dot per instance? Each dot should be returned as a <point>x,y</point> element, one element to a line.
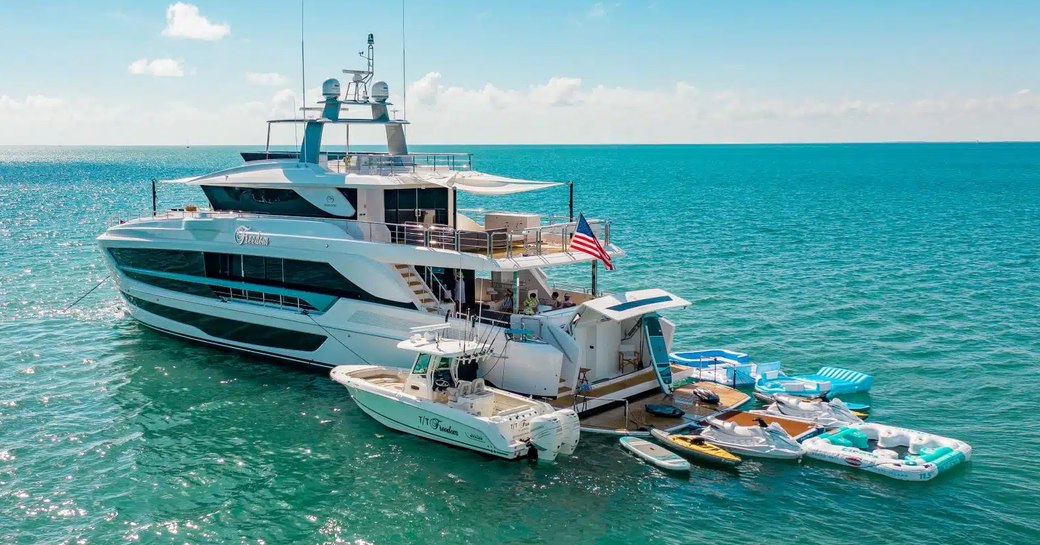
<point>442,378</point>
<point>422,363</point>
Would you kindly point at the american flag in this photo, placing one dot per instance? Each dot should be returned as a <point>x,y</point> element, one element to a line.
<point>584,240</point>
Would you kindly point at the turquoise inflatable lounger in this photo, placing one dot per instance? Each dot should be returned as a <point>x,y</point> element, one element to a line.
<point>828,380</point>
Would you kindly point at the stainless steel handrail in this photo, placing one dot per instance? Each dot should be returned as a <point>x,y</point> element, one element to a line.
<point>534,240</point>
<point>585,400</point>
<point>383,163</point>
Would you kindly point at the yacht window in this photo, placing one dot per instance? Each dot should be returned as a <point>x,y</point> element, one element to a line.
<point>171,261</point>
<point>309,276</point>
<point>350,193</point>
<point>421,364</point>
<point>400,205</point>
<point>234,330</point>
<point>285,202</point>
<point>171,284</point>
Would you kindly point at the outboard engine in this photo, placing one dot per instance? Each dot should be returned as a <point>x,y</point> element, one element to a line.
<point>571,430</point>
<point>547,436</point>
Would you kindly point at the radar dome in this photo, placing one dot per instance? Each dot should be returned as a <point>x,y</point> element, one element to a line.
<point>330,88</point>
<point>380,91</point>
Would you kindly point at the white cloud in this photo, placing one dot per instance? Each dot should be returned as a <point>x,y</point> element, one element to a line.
<point>597,11</point>
<point>425,90</point>
<point>185,21</point>
<point>560,110</point>
<point>564,110</point>
<point>557,92</point>
<point>284,103</point>
<point>31,102</point>
<point>273,79</point>
<point>164,68</point>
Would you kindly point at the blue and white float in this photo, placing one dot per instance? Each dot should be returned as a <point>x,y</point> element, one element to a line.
<point>899,453</point>
<point>829,381</point>
<point>723,366</point>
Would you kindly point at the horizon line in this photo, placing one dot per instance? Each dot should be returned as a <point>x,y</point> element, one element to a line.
<point>764,143</point>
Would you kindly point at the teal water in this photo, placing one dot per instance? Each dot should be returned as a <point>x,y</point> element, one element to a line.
<point>917,263</point>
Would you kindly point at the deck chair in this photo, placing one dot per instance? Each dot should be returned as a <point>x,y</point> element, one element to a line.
<point>628,357</point>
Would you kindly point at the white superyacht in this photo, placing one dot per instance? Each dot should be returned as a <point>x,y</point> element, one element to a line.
<point>326,258</point>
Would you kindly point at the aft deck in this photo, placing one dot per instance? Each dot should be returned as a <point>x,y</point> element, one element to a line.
<point>544,241</point>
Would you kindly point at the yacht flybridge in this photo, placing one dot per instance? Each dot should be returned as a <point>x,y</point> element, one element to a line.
<point>327,257</point>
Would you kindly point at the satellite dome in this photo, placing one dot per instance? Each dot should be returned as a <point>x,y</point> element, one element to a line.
<point>380,91</point>
<point>330,88</point>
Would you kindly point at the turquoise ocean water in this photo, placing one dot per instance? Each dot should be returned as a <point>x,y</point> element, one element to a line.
<point>919,263</point>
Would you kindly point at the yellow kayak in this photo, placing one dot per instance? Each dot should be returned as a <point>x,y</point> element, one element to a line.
<point>696,447</point>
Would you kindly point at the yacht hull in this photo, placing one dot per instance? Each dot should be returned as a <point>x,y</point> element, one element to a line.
<point>350,333</point>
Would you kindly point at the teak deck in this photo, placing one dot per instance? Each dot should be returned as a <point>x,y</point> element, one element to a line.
<point>612,419</point>
<point>635,378</point>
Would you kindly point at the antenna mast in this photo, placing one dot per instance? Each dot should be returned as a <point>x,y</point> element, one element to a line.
<point>303,74</point>
<point>357,87</point>
<point>404,76</point>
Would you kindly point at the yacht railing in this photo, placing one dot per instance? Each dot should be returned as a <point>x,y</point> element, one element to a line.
<point>585,401</point>
<point>494,244</point>
<point>252,296</point>
<point>497,243</point>
<point>384,164</point>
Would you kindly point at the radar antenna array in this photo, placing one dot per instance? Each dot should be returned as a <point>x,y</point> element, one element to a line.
<point>357,87</point>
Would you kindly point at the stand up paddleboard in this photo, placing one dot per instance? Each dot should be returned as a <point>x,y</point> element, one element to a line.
<point>654,338</point>
<point>655,454</point>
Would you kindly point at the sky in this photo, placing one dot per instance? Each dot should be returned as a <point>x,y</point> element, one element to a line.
<point>110,72</point>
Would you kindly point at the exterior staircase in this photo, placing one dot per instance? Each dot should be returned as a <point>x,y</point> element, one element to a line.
<point>424,297</point>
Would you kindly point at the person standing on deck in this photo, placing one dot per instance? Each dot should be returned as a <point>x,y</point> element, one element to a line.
<point>531,304</point>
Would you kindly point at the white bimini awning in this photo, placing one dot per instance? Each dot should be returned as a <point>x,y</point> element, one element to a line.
<point>630,304</point>
<point>479,183</point>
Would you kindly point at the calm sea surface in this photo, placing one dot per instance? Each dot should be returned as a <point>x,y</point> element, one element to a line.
<point>917,263</point>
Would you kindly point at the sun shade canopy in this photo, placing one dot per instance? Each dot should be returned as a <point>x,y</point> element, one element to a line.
<point>630,304</point>
<point>281,172</point>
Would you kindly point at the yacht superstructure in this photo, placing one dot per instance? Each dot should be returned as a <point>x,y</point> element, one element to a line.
<point>329,257</point>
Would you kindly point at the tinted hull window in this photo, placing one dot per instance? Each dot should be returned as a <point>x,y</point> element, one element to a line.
<point>190,288</point>
<point>234,330</point>
<point>309,276</point>
<point>305,276</point>
<point>171,261</point>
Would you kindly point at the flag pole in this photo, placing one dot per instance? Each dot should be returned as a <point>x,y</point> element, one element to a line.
<point>595,269</point>
<point>570,207</point>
